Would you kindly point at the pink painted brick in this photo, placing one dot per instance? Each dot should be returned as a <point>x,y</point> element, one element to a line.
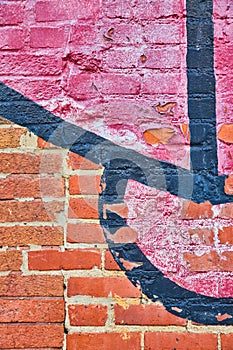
<point>224,59</point>
<point>81,86</point>
<point>59,10</point>
<point>221,8</point>
<point>126,34</point>
<point>45,37</point>
<point>164,57</point>
<point>82,34</point>
<point>122,58</point>
<point>118,8</point>
<point>29,64</point>
<point>158,9</point>
<point>169,33</point>
<point>11,39</point>
<point>111,84</point>
<point>169,83</point>
<point>11,13</point>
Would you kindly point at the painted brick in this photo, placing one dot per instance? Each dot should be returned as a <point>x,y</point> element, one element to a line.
<point>30,65</point>
<point>169,33</point>
<point>126,34</point>
<point>88,315</point>
<point>83,208</point>
<point>15,285</point>
<point>111,84</point>
<point>121,58</point>
<point>82,86</point>
<point>147,315</point>
<point>180,341</point>
<point>162,9</point>
<point>102,287</point>
<point>15,336</point>
<point>104,341</point>
<point>29,235</point>
<point>68,260</point>
<point>193,210</point>
<point>82,34</point>
<point>121,8</point>
<point>110,263</point>
<point>84,184</point>
<point>204,235</point>
<point>59,10</point>
<point>20,186</point>
<point>163,58</point>
<point>44,37</point>
<point>205,262</point>
<point>76,162</point>
<point>11,39</point>
<point>162,84</point>
<point>29,211</point>
<point>10,260</point>
<point>85,233</point>
<point>29,163</point>
<point>11,13</point>
<point>31,311</point>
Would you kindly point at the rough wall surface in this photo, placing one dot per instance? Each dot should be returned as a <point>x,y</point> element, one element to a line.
<point>127,71</point>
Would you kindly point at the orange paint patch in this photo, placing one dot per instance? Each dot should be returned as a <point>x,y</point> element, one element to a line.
<point>223,317</point>
<point>228,188</point>
<point>185,131</point>
<point>158,136</point>
<point>123,235</point>
<point>121,209</point>
<point>225,133</point>
<point>167,108</point>
<point>129,265</point>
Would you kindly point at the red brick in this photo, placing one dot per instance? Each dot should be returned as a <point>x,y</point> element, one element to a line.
<point>25,336</point>
<point>10,137</point>
<point>193,210</point>
<point>31,311</point>
<point>29,64</point>
<point>58,10</point>
<point>110,263</point>
<point>27,235</point>
<point>104,341</point>
<point>44,37</point>
<point>226,341</point>
<point>29,211</point>
<point>102,287</point>
<point>83,208</point>
<point>147,315</point>
<point>11,39</point>
<point>205,262</point>
<point>205,236</point>
<point>10,260</point>
<point>76,162</point>
<point>225,235</point>
<point>159,83</point>
<point>226,211</point>
<point>28,163</point>
<point>169,33</point>
<point>21,186</point>
<point>226,261</point>
<point>67,260</point>
<point>11,13</point>
<point>88,315</point>
<point>16,285</point>
<point>85,233</point>
<point>180,341</point>
<point>84,184</point>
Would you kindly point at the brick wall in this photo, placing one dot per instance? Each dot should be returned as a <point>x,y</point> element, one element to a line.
<point>60,287</point>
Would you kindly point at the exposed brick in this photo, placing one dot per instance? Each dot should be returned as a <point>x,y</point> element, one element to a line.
<point>28,163</point>
<point>11,39</point>
<point>226,261</point>
<point>20,336</point>
<point>84,184</point>
<point>205,236</point>
<point>68,260</point>
<point>180,341</point>
<point>31,311</point>
<point>225,235</point>
<point>102,287</point>
<point>83,208</point>
<point>148,315</point>
<point>76,162</point>
<point>10,260</point>
<point>44,37</point>
<point>15,285</point>
<point>205,262</point>
<point>11,13</point>
<point>10,137</point>
<point>27,235</point>
<point>226,341</point>
<point>21,186</point>
<point>85,233</point>
<point>191,210</point>
<point>29,64</point>
<point>29,211</point>
<point>104,341</point>
<point>110,263</point>
<point>88,315</point>
<point>226,211</point>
